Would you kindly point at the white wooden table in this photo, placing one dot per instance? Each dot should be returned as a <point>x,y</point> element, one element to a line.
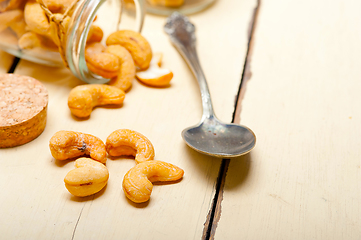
<point>303,179</point>
<point>300,94</point>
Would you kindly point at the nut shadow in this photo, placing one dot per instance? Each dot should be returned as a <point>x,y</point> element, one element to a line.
<point>145,204</point>
<point>167,183</point>
<point>110,106</point>
<point>137,205</point>
<point>61,163</point>
<point>122,157</point>
<point>155,87</point>
<point>64,77</point>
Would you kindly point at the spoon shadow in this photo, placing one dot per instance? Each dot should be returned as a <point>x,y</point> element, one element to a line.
<point>238,172</point>
<point>205,167</point>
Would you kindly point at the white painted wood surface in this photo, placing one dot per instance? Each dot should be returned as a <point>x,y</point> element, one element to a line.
<point>5,62</point>
<point>303,179</point>
<point>34,201</point>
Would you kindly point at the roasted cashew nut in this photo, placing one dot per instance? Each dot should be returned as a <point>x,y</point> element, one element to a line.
<point>167,3</point>
<point>31,40</point>
<point>7,18</point>
<point>155,76</point>
<point>94,47</point>
<point>82,99</point>
<point>125,142</point>
<point>137,182</point>
<point>57,6</point>
<point>38,22</point>
<point>68,144</point>
<point>88,178</point>
<point>6,5</point>
<point>135,43</point>
<point>36,19</point>
<point>95,34</point>
<point>126,68</point>
<point>54,34</point>
<point>101,63</point>
<point>18,26</point>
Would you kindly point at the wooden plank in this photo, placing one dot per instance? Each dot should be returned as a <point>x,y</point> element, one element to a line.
<point>35,203</point>
<point>302,181</point>
<point>6,61</point>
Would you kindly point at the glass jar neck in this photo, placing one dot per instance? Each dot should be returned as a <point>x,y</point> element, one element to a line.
<point>82,18</point>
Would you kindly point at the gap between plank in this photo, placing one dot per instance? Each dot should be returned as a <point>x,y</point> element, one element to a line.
<point>13,65</point>
<point>214,214</point>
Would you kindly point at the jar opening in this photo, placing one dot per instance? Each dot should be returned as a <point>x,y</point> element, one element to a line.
<point>126,15</point>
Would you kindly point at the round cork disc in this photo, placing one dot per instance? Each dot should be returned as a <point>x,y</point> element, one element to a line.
<point>23,109</point>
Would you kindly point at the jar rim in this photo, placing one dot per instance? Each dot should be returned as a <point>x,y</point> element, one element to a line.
<point>76,37</point>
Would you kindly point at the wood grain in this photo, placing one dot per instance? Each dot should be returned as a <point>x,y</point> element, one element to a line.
<point>302,181</point>
<point>34,199</point>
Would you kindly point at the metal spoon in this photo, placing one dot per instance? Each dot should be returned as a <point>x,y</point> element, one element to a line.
<point>210,136</point>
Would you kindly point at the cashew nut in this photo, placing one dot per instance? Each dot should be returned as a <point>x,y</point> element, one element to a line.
<point>167,3</point>
<point>38,22</point>
<point>68,144</point>
<point>95,34</point>
<point>89,177</point>
<point>18,26</point>
<point>126,69</point>
<point>6,18</point>
<point>101,63</point>
<point>123,142</point>
<point>82,99</point>
<point>137,182</point>
<point>53,31</point>
<point>154,75</point>
<point>95,47</point>
<point>57,6</point>
<point>31,40</point>
<point>6,5</point>
<point>36,19</point>
<point>135,43</point>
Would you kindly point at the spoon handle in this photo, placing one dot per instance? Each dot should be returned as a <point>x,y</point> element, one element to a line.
<point>182,34</point>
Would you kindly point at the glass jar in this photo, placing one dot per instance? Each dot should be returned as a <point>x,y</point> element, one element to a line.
<point>166,7</point>
<point>109,15</point>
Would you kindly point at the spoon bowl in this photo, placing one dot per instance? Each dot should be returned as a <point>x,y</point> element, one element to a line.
<point>214,138</point>
<point>210,136</point>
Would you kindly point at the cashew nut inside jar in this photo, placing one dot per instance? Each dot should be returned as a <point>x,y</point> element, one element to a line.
<point>166,7</point>
<point>56,32</point>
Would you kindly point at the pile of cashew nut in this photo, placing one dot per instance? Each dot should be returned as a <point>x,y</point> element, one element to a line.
<point>91,175</point>
<point>125,56</point>
<point>29,23</point>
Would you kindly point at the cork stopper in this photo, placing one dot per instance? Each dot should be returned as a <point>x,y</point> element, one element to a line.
<point>23,109</point>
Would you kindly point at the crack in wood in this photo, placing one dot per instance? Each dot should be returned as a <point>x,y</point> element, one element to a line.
<point>76,224</point>
<point>13,65</point>
<point>247,73</point>
<point>214,214</point>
